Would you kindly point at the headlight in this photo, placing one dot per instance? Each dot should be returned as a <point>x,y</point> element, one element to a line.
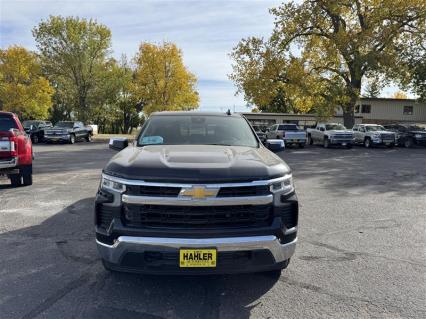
<point>283,185</point>
<point>418,135</point>
<point>110,184</point>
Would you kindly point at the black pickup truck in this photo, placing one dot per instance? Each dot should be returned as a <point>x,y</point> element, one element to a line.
<point>68,131</point>
<point>35,129</point>
<point>408,134</point>
<point>196,193</point>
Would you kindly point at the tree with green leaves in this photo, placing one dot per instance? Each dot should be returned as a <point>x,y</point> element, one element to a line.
<point>162,82</point>
<point>116,107</point>
<point>340,43</point>
<point>23,89</point>
<point>73,52</point>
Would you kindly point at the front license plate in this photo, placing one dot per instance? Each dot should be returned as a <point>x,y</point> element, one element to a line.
<point>197,258</point>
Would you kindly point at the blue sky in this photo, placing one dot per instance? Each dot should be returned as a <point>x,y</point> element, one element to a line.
<point>205,30</point>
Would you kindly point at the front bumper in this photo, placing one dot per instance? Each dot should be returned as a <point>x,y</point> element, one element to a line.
<point>160,255</point>
<point>56,138</point>
<point>335,141</point>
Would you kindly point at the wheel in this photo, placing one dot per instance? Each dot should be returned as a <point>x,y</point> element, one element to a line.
<point>35,139</point>
<point>72,139</point>
<point>326,143</point>
<point>310,141</point>
<point>349,146</point>
<point>367,143</point>
<point>301,145</point>
<point>15,180</point>
<point>408,143</point>
<point>89,138</point>
<point>27,179</point>
<point>390,145</point>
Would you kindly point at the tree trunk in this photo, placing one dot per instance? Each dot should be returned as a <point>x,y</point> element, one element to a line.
<point>348,117</point>
<point>354,93</point>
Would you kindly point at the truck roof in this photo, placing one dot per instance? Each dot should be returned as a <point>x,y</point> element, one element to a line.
<point>7,113</point>
<point>186,113</point>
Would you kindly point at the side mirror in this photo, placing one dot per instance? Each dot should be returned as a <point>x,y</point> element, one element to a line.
<point>322,129</point>
<point>275,145</point>
<point>118,143</point>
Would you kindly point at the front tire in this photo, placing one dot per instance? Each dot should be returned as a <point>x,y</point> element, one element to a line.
<point>310,141</point>
<point>301,145</point>
<point>89,137</point>
<point>326,143</point>
<point>72,139</point>
<point>408,143</point>
<point>367,143</point>
<point>35,139</point>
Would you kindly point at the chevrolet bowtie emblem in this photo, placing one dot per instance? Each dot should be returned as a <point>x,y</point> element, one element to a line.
<point>198,192</point>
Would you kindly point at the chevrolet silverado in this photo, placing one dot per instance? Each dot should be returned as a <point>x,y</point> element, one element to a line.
<point>196,193</point>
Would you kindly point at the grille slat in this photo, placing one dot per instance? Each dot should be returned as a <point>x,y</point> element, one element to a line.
<point>104,216</point>
<point>243,191</point>
<point>189,216</point>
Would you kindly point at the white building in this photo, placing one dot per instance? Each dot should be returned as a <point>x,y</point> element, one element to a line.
<point>367,110</point>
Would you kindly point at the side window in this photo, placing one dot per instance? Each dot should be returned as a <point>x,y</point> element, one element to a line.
<point>356,108</point>
<point>355,128</point>
<point>408,110</point>
<point>366,108</point>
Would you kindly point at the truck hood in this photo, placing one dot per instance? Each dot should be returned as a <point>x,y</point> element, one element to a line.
<point>196,163</point>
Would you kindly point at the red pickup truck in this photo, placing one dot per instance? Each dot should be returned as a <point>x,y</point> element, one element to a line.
<point>16,151</point>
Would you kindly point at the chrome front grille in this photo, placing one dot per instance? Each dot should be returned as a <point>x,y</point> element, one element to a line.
<point>173,191</point>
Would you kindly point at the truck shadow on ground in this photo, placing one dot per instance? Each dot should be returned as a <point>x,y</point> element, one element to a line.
<point>52,270</point>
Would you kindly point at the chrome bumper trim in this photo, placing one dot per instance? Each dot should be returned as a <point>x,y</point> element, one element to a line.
<point>189,185</point>
<point>8,164</point>
<point>208,201</point>
<point>114,253</point>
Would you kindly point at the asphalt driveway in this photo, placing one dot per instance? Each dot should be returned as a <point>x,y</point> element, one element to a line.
<point>361,250</point>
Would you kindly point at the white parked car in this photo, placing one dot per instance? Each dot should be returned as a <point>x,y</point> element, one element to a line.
<point>372,134</point>
<point>291,134</point>
<point>329,134</point>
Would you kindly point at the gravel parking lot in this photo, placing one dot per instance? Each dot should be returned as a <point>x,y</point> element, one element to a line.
<point>361,250</point>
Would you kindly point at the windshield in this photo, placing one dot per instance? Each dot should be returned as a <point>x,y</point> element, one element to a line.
<point>197,130</point>
<point>288,127</point>
<point>28,124</point>
<point>65,124</point>
<point>330,127</point>
<point>374,128</point>
<point>415,128</point>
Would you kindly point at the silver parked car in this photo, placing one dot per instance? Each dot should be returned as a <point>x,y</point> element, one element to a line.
<point>372,134</point>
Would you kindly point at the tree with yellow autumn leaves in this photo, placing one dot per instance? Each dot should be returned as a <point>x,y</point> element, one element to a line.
<point>320,52</point>
<point>162,82</point>
<point>23,89</point>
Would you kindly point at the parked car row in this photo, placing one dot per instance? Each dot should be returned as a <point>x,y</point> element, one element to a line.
<point>64,131</point>
<point>335,134</point>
